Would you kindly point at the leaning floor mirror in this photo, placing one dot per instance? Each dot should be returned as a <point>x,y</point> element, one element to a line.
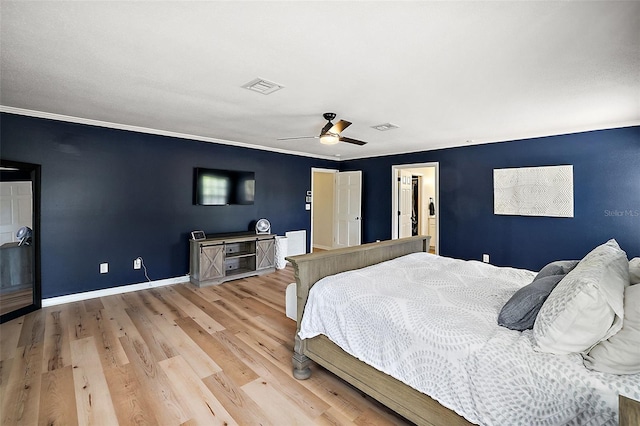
<point>19,239</point>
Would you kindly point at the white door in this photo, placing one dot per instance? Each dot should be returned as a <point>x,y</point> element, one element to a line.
<point>406,199</point>
<point>16,209</point>
<point>347,211</point>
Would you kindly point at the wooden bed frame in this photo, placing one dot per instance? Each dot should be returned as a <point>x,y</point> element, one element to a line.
<point>406,401</point>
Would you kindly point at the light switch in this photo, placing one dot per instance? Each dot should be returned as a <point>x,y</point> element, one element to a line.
<point>104,268</point>
<point>307,206</point>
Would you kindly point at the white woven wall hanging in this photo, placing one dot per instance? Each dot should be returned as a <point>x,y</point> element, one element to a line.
<point>533,191</point>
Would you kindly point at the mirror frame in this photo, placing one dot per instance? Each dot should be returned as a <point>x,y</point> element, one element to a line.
<point>34,171</point>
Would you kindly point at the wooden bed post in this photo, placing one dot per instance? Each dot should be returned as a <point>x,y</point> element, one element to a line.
<point>301,370</point>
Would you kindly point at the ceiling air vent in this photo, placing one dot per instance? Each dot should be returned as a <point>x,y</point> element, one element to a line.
<point>384,127</point>
<point>263,86</point>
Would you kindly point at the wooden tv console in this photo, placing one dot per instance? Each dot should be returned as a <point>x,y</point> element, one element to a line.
<point>224,257</point>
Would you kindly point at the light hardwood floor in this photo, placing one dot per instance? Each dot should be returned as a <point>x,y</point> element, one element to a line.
<point>171,355</point>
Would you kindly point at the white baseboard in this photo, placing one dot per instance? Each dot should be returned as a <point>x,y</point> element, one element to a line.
<point>76,297</point>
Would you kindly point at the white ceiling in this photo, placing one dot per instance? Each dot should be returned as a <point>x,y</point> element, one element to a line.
<point>447,73</point>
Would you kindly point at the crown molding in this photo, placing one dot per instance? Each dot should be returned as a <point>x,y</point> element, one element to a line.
<point>138,129</point>
<point>508,138</point>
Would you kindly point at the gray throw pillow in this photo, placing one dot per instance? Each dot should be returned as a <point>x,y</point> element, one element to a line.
<point>520,312</point>
<point>559,267</point>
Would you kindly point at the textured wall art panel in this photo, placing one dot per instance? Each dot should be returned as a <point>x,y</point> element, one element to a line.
<point>533,191</point>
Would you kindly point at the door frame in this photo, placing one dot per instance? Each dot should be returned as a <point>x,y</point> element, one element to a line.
<point>313,171</point>
<point>404,186</point>
<point>394,197</point>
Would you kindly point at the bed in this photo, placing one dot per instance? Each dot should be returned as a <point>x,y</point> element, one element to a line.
<point>592,400</point>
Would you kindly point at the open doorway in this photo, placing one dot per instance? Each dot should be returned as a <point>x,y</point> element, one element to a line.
<point>322,208</point>
<point>336,209</point>
<point>415,202</point>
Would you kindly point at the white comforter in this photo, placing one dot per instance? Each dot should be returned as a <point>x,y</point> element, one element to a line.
<point>431,322</point>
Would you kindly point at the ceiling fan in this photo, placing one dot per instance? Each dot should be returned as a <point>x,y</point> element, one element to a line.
<point>330,133</point>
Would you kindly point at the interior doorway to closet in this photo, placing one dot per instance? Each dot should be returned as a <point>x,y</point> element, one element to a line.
<point>415,202</point>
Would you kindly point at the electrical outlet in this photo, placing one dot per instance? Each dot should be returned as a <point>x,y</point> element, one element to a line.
<point>104,268</point>
<point>137,263</point>
<point>485,258</point>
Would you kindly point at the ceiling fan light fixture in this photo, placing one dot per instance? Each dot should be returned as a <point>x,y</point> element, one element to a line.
<point>331,133</point>
<point>329,139</point>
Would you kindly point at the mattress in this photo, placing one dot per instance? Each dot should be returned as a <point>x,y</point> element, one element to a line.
<point>431,322</point>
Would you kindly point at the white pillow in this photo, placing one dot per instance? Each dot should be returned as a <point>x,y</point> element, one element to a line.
<point>634,270</point>
<point>620,354</point>
<point>586,307</point>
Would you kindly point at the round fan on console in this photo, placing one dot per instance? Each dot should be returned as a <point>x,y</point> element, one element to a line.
<point>24,235</point>
<point>263,226</point>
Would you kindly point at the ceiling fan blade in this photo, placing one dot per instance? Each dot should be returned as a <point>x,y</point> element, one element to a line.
<point>298,137</point>
<point>339,126</point>
<point>353,141</point>
<point>326,128</point>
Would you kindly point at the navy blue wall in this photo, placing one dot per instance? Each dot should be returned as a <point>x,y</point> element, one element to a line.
<point>606,173</point>
<point>111,196</point>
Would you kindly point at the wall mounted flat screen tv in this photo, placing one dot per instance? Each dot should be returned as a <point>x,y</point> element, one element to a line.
<point>215,187</point>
